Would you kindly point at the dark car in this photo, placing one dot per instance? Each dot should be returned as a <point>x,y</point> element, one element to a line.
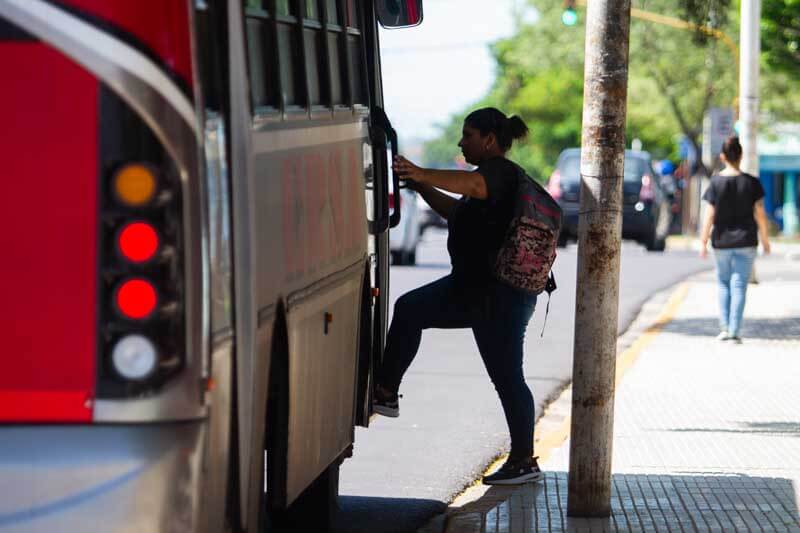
<point>646,213</point>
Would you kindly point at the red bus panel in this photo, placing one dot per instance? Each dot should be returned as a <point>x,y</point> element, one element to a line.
<point>161,25</point>
<point>48,236</point>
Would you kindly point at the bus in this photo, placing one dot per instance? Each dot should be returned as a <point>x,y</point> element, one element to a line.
<point>194,258</point>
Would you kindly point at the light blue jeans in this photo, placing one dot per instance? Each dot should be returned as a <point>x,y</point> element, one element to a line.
<point>733,272</point>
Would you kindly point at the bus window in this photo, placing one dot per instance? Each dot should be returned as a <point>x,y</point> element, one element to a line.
<point>261,59</point>
<point>335,66</point>
<point>352,14</point>
<point>317,64</point>
<point>290,60</point>
<point>314,49</point>
<point>335,62</point>
<point>286,7</point>
<point>358,91</point>
<point>312,10</point>
<point>333,11</point>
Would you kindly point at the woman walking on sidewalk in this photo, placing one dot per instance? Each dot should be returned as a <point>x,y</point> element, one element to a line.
<point>736,213</point>
<point>469,297</point>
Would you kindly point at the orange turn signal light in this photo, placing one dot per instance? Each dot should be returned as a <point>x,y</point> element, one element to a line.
<point>135,185</point>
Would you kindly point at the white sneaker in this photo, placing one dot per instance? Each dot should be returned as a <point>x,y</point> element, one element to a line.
<point>723,336</point>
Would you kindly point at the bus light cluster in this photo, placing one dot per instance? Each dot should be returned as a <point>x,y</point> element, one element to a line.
<point>142,217</point>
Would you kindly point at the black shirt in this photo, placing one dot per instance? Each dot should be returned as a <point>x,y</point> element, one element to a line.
<point>477,228</point>
<point>734,198</point>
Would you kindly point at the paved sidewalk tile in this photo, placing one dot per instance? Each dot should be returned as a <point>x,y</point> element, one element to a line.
<point>706,433</point>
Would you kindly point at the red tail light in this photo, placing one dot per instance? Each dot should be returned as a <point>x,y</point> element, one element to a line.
<point>391,201</point>
<point>138,242</point>
<point>554,185</point>
<point>647,192</point>
<point>136,299</point>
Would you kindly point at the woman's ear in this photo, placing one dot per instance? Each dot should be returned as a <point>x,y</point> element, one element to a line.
<point>491,139</point>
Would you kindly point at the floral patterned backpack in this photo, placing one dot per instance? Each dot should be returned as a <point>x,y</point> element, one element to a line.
<point>526,257</point>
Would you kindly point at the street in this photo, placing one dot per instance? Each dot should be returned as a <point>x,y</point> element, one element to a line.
<point>451,425</point>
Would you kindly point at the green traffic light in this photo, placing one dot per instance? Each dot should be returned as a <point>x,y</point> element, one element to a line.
<point>569,17</point>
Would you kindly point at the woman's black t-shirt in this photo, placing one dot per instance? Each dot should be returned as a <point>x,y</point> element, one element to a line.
<point>477,228</point>
<point>733,198</point>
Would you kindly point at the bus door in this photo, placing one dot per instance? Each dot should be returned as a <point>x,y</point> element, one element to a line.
<point>390,14</point>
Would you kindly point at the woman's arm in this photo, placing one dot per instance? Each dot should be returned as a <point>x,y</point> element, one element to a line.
<point>705,233</point>
<point>761,220</point>
<point>464,182</point>
<point>439,201</point>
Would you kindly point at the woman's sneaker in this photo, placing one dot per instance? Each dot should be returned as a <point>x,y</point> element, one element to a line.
<point>516,472</point>
<point>386,404</point>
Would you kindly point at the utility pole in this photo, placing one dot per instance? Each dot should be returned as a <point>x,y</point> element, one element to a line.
<point>605,93</point>
<point>749,52</point>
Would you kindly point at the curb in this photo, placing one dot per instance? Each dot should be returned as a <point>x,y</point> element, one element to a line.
<point>553,426</point>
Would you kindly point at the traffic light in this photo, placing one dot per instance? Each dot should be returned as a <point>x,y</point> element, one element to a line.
<point>569,17</point>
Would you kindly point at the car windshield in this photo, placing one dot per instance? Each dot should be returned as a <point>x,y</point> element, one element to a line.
<point>569,167</point>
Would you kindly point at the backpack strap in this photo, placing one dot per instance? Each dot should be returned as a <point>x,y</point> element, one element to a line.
<point>549,287</point>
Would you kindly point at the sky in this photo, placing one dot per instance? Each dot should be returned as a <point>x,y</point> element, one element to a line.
<point>440,67</point>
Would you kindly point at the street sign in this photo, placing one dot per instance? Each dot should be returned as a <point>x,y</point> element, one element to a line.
<point>717,126</point>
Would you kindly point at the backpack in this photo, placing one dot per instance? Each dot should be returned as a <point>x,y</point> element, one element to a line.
<point>526,257</point>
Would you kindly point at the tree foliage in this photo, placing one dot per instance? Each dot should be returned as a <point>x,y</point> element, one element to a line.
<point>780,36</point>
<point>675,75</point>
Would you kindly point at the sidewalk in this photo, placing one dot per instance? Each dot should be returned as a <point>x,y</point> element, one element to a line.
<point>706,434</point>
<point>782,247</point>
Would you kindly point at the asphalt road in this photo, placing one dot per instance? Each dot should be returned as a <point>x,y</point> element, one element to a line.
<point>451,425</point>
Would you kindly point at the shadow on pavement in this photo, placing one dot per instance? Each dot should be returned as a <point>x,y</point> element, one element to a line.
<point>752,328</point>
<point>361,514</point>
<point>640,502</point>
<point>791,429</point>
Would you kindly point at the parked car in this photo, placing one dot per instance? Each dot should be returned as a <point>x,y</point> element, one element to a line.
<point>404,238</point>
<point>646,213</point>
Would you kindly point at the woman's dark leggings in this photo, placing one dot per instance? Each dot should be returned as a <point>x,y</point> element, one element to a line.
<point>498,317</point>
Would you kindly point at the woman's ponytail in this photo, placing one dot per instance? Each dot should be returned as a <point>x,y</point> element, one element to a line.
<point>491,120</point>
<point>515,127</point>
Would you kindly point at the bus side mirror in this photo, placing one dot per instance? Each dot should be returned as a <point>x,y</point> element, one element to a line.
<point>399,13</point>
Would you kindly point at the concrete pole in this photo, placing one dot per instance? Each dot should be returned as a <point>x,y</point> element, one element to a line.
<point>749,52</point>
<point>599,231</point>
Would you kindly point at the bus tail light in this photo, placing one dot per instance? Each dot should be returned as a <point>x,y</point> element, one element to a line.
<point>136,299</point>
<point>134,357</point>
<point>142,341</point>
<point>138,242</point>
<point>134,185</point>
<point>142,331</point>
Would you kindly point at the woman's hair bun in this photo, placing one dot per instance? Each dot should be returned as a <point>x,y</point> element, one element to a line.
<point>732,149</point>
<point>515,127</point>
<point>492,120</point>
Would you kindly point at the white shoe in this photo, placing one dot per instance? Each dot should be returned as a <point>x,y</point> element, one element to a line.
<point>723,336</point>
